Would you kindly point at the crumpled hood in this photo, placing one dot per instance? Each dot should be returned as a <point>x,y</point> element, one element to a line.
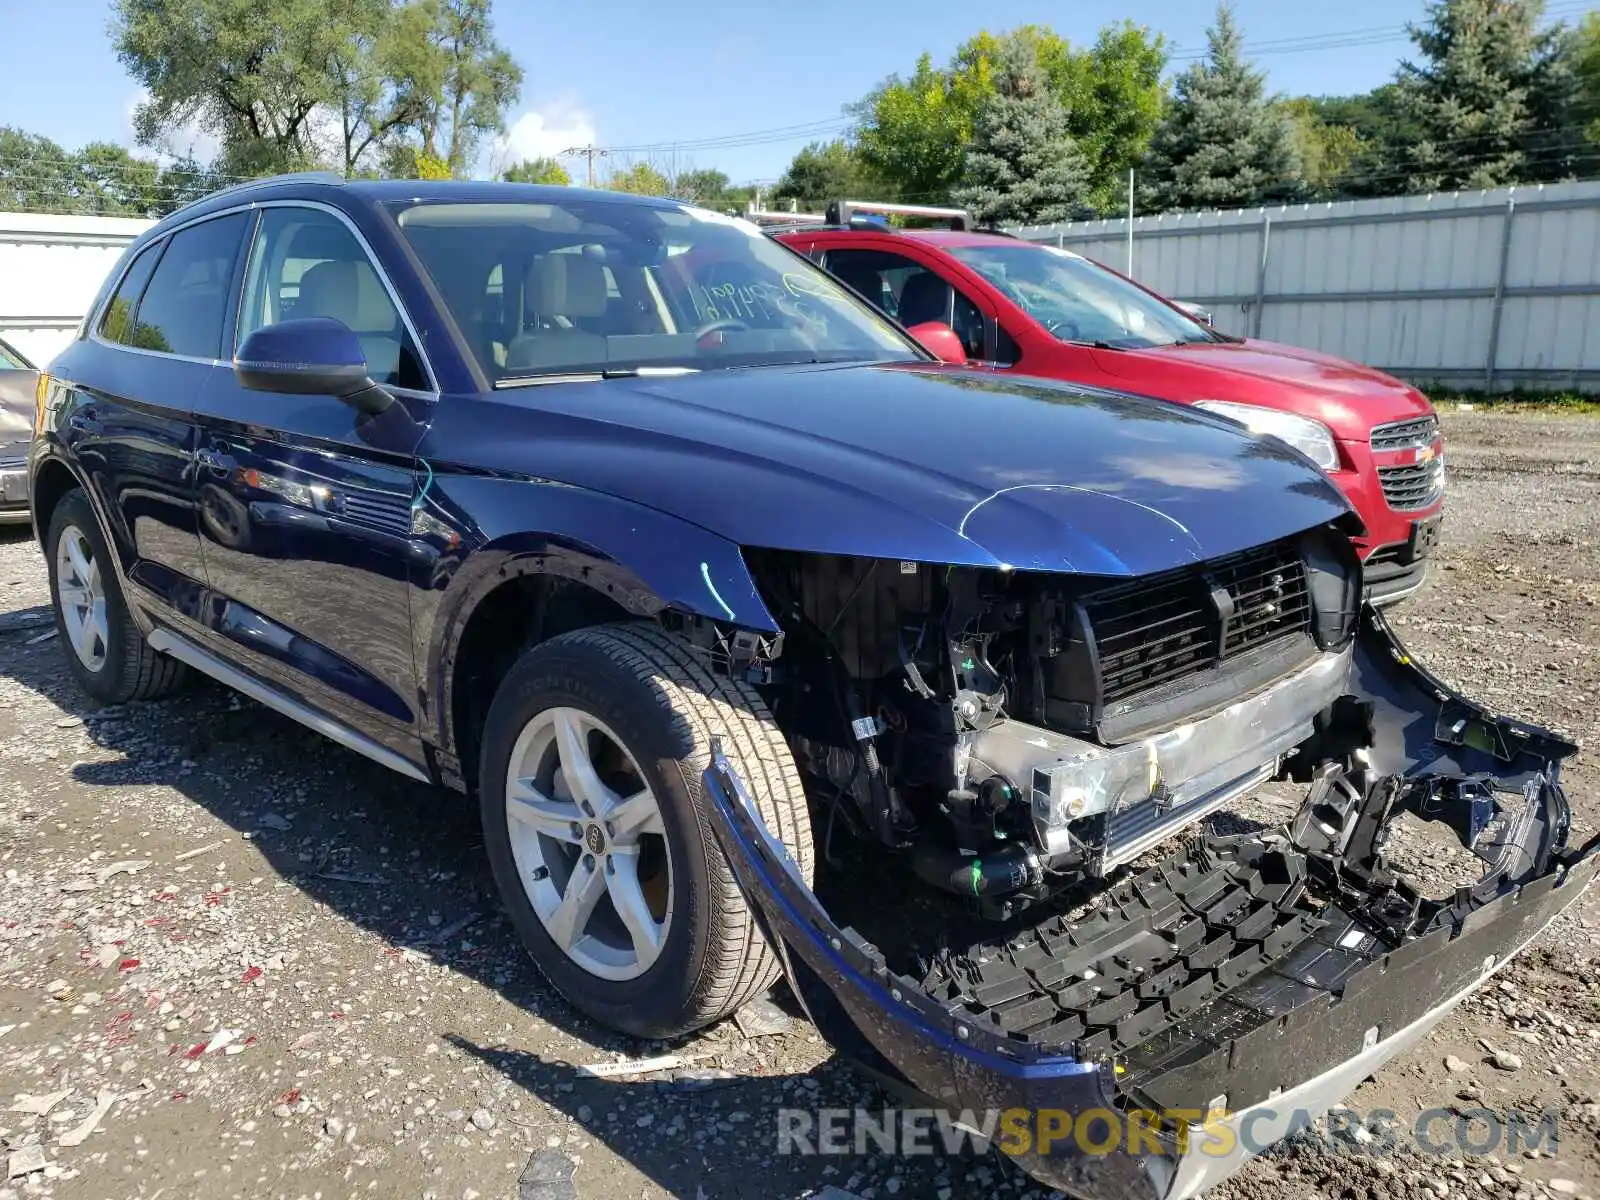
<point>919,463</point>
<point>1349,397</point>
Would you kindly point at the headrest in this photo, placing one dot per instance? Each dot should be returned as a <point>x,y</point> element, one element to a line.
<point>567,285</point>
<point>348,291</point>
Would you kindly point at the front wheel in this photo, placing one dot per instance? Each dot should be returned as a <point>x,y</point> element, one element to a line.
<point>597,832</point>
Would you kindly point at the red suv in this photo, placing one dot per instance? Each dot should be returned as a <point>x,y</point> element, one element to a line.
<point>1039,310</point>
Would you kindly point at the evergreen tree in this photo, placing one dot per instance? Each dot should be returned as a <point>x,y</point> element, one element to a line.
<point>1023,165</point>
<point>1223,143</point>
<point>1473,94</point>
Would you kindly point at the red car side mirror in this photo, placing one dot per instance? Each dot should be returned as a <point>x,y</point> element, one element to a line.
<point>939,340</point>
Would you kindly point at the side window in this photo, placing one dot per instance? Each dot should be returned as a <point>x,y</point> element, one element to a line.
<point>10,360</point>
<point>306,263</point>
<point>116,325</point>
<point>910,292</point>
<point>182,308</point>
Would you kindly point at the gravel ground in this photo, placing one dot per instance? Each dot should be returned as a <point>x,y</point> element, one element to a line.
<point>236,960</point>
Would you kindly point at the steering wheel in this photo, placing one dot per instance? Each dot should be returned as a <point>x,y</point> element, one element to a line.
<point>717,326</point>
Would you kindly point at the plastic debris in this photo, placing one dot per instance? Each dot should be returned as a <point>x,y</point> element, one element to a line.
<point>548,1176</point>
<point>131,866</point>
<point>762,1018</point>
<point>632,1066</point>
<point>221,1038</point>
<point>273,821</point>
<point>196,853</point>
<point>30,1159</point>
<point>39,1106</point>
<point>79,1135</point>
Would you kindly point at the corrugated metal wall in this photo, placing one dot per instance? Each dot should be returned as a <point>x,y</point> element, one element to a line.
<point>50,269</point>
<point>1490,289</point>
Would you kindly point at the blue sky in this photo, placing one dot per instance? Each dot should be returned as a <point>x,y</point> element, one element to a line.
<point>637,73</point>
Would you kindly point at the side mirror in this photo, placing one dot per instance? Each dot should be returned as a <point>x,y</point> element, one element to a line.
<point>939,340</point>
<point>310,356</point>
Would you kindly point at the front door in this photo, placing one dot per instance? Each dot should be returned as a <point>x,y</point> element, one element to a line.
<point>305,504</point>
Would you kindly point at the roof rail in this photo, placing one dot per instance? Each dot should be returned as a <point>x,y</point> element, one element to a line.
<point>774,217</point>
<point>249,184</point>
<point>842,212</point>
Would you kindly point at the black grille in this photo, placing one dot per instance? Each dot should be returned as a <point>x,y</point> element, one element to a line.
<point>1163,629</point>
<point>1406,435</point>
<point>1412,486</point>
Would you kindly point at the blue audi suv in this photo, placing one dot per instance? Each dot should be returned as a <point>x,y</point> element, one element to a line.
<point>766,642</point>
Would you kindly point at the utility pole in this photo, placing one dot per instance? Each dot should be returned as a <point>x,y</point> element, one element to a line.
<point>590,152</point>
<point>1130,222</point>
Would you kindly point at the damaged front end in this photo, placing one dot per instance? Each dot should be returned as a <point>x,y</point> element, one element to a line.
<point>1231,989</point>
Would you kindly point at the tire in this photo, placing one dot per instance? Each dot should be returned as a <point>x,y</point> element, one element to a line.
<point>646,691</point>
<point>119,665</point>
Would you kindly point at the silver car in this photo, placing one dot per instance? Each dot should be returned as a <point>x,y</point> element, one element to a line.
<point>18,378</point>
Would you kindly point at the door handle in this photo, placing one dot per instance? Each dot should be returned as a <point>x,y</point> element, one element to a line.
<point>215,460</point>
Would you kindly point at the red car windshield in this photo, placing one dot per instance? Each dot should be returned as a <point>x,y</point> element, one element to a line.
<point>1079,301</point>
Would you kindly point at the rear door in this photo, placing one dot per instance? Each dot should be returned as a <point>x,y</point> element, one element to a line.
<point>305,504</point>
<point>131,387</point>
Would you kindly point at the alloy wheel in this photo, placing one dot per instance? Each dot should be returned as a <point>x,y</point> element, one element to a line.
<point>81,593</point>
<point>589,843</point>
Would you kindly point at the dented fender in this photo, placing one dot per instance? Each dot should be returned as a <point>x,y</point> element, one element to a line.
<point>1333,990</point>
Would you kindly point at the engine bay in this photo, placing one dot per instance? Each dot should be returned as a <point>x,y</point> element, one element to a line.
<point>1009,732</point>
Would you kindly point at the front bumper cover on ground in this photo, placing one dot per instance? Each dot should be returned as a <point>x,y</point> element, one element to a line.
<point>1278,1031</point>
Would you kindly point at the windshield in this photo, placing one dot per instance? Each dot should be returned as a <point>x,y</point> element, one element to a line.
<point>594,285</point>
<point>1080,301</point>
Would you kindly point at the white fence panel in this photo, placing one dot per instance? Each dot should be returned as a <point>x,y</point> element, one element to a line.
<point>50,269</point>
<point>1482,289</point>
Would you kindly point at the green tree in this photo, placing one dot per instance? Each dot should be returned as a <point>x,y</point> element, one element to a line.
<point>1327,152</point>
<point>1223,143</point>
<point>1023,165</point>
<point>912,133</point>
<point>641,179</point>
<point>539,170</point>
<point>1114,97</point>
<point>1381,131</point>
<point>824,171</point>
<point>1585,51</point>
<point>250,72</point>
<point>102,179</point>
<point>452,79</point>
<point>36,174</point>
<point>1470,93</point>
<point>703,186</point>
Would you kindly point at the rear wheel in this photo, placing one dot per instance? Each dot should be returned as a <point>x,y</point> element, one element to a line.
<point>105,650</point>
<point>598,835</point>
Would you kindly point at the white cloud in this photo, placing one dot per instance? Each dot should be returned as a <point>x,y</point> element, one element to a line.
<point>189,139</point>
<point>542,133</point>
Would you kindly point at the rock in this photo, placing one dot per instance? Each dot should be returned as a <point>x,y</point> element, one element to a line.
<point>1563,1187</point>
<point>1504,1060</point>
<point>482,1119</point>
<point>548,1176</point>
<point>1456,1065</point>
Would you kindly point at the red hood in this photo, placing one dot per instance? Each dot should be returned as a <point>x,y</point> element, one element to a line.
<point>1347,397</point>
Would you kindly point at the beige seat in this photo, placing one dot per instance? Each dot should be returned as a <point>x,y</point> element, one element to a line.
<point>562,290</point>
<point>352,293</point>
